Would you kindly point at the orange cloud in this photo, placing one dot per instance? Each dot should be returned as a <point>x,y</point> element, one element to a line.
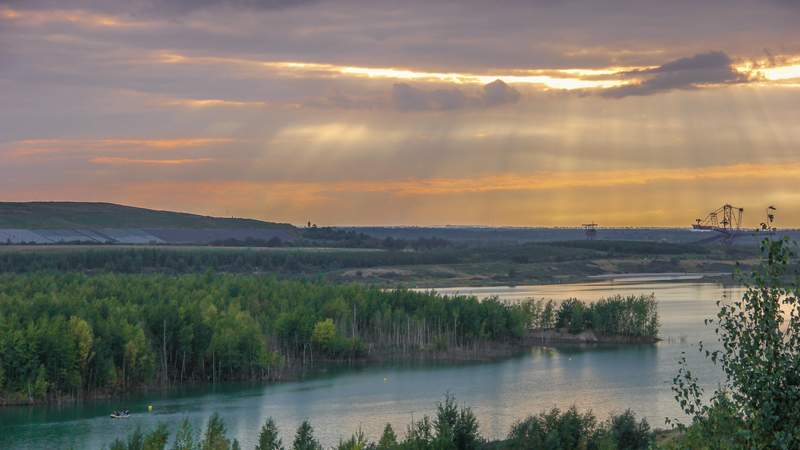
<point>34,147</point>
<point>118,161</point>
<point>213,102</point>
<point>315,190</point>
<point>566,79</point>
<point>559,79</point>
<point>646,197</point>
<point>550,180</point>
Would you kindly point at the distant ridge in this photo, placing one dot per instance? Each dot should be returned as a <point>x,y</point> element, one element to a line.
<point>69,215</point>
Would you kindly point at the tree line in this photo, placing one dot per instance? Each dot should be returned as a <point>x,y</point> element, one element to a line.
<point>66,334</point>
<point>629,316</point>
<point>385,252</point>
<point>177,260</point>
<point>452,428</point>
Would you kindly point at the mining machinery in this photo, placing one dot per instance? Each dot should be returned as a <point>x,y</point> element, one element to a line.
<point>726,221</point>
<point>590,229</point>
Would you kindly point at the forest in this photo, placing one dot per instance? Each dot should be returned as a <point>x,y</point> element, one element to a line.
<point>68,334</point>
<point>387,252</point>
<point>201,259</point>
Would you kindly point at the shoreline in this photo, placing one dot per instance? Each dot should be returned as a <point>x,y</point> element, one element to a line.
<point>725,278</point>
<point>478,353</point>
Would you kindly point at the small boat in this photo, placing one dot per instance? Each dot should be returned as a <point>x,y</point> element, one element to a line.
<point>120,414</point>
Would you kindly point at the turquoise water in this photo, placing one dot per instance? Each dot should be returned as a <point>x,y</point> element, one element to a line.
<point>338,402</point>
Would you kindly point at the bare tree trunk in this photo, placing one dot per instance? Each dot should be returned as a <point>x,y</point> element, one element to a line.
<point>165,378</point>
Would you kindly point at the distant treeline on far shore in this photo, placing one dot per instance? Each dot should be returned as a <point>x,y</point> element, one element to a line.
<point>292,260</point>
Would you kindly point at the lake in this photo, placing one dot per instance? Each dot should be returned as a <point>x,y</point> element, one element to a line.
<point>341,400</point>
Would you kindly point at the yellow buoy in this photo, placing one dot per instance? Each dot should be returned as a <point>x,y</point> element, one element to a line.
<point>149,408</point>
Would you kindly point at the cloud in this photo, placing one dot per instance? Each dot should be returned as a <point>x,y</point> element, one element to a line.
<point>409,98</point>
<point>190,5</point>
<point>117,161</point>
<point>155,6</point>
<point>684,73</point>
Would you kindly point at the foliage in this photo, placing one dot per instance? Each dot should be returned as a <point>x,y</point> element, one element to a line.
<point>391,252</point>
<point>356,442</point>
<point>156,439</point>
<point>758,404</point>
<point>627,433</point>
<point>199,260</point>
<point>388,440</point>
<point>215,436</point>
<point>631,316</point>
<point>304,438</point>
<point>557,430</point>
<point>649,248</point>
<point>184,439</point>
<point>453,427</point>
<point>71,333</point>
<point>554,430</point>
<point>325,335</point>
<point>460,427</point>
<point>268,439</point>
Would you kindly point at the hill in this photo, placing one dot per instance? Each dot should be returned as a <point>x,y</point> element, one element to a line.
<point>68,215</point>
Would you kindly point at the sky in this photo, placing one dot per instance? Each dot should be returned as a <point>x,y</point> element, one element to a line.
<point>376,112</point>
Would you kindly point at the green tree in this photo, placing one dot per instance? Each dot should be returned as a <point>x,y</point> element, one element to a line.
<point>184,438</point>
<point>268,439</point>
<point>215,437</point>
<point>628,434</point>
<point>304,438</point>
<point>458,427</point>
<point>388,439</point>
<point>84,338</point>
<point>40,385</point>
<point>156,439</point>
<point>760,358</point>
<point>324,335</point>
<point>554,430</point>
<point>356,442</point>
<point>419,434</point>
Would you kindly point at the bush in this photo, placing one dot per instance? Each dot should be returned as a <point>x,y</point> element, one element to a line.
<point>557,430</point>
<point>758,403</point>
<point>628,434</point>
<point>453,428</point>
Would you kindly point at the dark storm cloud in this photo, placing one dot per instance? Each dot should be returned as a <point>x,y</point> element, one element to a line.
<point>683,73</point>
<point>409,98</point>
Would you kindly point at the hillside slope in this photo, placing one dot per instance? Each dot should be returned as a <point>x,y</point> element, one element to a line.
<point>65,215</point>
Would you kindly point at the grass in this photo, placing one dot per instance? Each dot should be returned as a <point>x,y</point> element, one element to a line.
<point>50,215</point>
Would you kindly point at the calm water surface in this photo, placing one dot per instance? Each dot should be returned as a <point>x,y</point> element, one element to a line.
<point>338,402</point>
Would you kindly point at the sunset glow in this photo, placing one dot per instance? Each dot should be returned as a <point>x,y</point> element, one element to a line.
<point>371,113</point>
